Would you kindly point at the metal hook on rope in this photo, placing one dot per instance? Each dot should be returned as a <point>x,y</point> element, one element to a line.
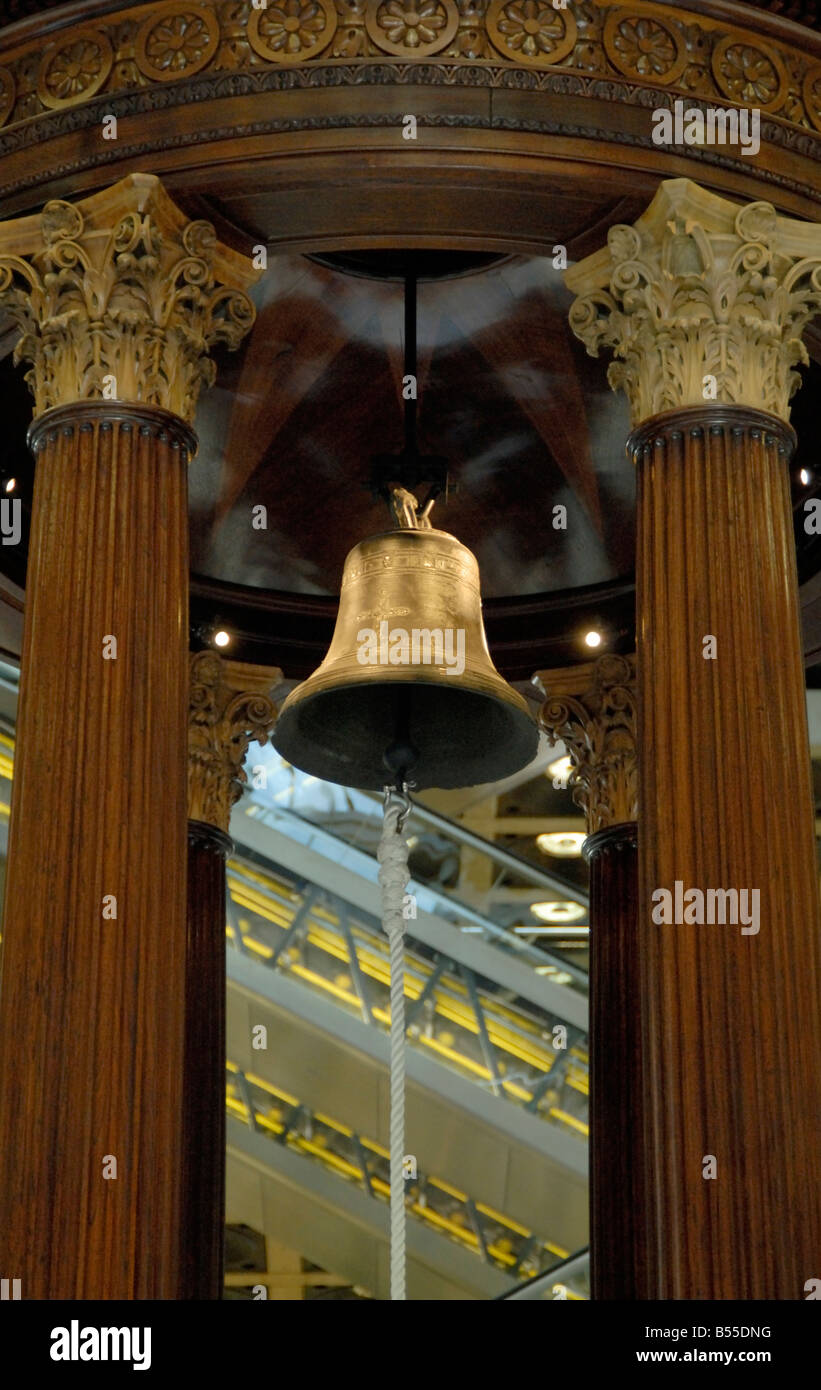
<point>398,793</point>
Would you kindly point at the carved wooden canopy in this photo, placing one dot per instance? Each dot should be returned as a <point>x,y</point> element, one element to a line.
<point>181,75</point>
<point>283,127</point>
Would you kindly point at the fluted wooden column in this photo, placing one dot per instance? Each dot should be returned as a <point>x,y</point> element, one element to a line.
<point>203,1147</point>
<point>592,709</point>
<point>229,705</point>
<point>704,303</point>
<point>118,298</point>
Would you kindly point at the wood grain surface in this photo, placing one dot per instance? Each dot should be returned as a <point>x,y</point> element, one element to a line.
<point>731,1023</point>
<point>617,1097</point>
<point>202,1228</point>
<point>92,1014</point>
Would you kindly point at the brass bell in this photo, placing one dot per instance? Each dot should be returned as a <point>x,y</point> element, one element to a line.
<point>408,689</point>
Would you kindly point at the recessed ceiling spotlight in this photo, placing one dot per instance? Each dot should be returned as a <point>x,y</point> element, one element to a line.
<point>592,638</point>
<point>222,638</point>
<point>558,912</point>
<point>806,476</point>
<point>10,484</point>
<point>562,844</point>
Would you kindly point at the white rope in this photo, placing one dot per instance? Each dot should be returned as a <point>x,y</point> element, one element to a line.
<point>393,879</point>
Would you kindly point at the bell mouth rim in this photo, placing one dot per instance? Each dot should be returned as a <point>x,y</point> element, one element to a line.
<point>322,684</point>
<point>290,738</point>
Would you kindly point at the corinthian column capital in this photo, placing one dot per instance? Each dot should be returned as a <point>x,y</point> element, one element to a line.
<point>230,704</point>
<point>701,300</point>
<point>119,296</point>
<point>592,709</point>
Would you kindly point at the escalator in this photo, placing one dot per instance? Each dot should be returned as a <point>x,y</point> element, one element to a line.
<point>567,1282</point>
<point>496,1066</point>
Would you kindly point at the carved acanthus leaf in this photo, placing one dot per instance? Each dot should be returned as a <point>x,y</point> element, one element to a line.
<point>598,728</point>
<point>222,722</point>
<point>701,300</point>
<point>119,297</point>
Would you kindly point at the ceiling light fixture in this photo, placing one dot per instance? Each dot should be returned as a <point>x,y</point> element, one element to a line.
<point>222,638</point>
<point>558,911</point>
<point>560,977</point>
<point>593,638</point>
<point>573,933</point>
<point>562,844</point>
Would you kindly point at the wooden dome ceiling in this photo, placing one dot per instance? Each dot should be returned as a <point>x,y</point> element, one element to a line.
<point>506,394</point>
<point>525,419</point>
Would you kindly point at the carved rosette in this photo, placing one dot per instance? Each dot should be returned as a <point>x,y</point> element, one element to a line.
<point>645,47</point>
<point>74,68</point>
<point>598,728</point>
<point>229,706</point>
<point>410,30</point>
<point>292,31</point>
<point>531,31</point>
<point>177,41</point>
<point>812,94</point>
<point>7,95</point>
<point>701,300</point>
<point>120,297</point>
<point>749,73</point>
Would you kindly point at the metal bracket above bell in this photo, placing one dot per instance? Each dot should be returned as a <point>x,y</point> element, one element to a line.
<point>409,469</point>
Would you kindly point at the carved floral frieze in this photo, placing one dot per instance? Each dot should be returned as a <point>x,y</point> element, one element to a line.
<point>673,48</point>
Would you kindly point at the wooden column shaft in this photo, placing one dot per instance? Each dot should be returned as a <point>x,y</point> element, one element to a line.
<point>229,705</point>
<point>203,1153</point>
<point>91,1003</point>
<point>704,303</point>
<point>731,1022</point>
<point>617,1208</point>
<point>119,299</point>
<point>592,710</point>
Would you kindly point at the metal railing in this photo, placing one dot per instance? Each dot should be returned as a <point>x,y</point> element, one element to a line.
<point>487,1233</point>
<point>350,818</point>
<point>528,1057</point>
<point>568,1281</point>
